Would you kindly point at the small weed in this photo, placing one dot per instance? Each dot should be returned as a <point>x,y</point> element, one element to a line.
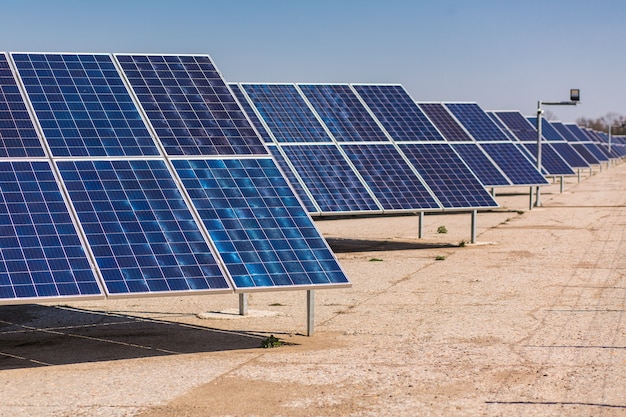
<point>520,211</point>
<point>276,305</point>
<point>375,260</point>
<point>442,229</point>
<point>440,258</point>
<point>271,342</point>
<point>462,244</point>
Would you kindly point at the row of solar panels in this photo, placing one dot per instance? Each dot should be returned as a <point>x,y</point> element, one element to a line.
<point>126,175</point>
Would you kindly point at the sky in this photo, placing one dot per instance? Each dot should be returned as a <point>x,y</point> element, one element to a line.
<point>502,54</point>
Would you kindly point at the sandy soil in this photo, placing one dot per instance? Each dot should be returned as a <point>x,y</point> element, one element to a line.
<point>529,321</point>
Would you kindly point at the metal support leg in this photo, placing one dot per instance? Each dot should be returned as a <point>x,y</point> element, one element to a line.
<point>561,188</point>
<point>243,304</point>
<point>473,238</point>
<point>420,226</point>
<point>493,191</point>
<point>579,175</point>
<point>530,205</point>
<point>310,312</point>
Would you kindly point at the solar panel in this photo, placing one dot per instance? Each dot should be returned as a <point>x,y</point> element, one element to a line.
<point>481,164</point>
<point>329,178</point>
<point>247,108</point>
<point>18,137</point>
<point>514,164</point>
<point>293,180</point>
<point>82,105</point>
<point>476,121</point>
<point>285,112</point>
<point>390,177</point>
<point>551,161</point>
<point>142,233</point>
<point>519,125</point>
<point>189,105</point>
<point>452,182</point>
<point>564,131</point>
<point>445,122</point>
<point>342,112</point>
<point>591,147</point>
<point>41,254</point>
<point>547,130</point>
<point>502,127</point>
<point>264,236</point>
<point>398,113</point>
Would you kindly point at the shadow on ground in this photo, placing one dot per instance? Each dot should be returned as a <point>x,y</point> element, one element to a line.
<point>364,245</point>
<point>38,335</point>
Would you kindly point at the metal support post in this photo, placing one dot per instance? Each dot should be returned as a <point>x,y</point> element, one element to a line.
<point>530,205</point>
<point>310,312</point>
<point>493,191</point>
<point>561,188</point>
<point>579,175</point>
<point>420,226</point>
<point>473,235</point>
<point>243,304</point>
<point>539,134</point>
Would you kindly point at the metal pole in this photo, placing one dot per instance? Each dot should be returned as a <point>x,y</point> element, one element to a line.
<point>473,236</point>
<point>420,226</point>
<point>310,312</point>
<point>561,188</point>
<point>243,304</point>
<point>579,175</point>
<point>530,204</point>
<point>493,191</point>
<point>610,140</point>
<point>539,112</point>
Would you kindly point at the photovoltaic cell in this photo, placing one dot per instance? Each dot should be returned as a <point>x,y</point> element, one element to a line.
<point>502,127</point>
<point>263,234</point>
<point>41,255</point>
<point>245,105</point>
<point>564,131</point>
<point>514,164</point>
<point>190,106</point>
<point>83,106</point>
<point>330,179</point>
<point>286,113</point>
<point>519,125</point>
<point>567,152</point>
<point>293,180</point>
<point>486,171</point>
<point>398,113</point>
<point>390,178</point>
<point>476,121</point>
<point>342,112</point>
<point>450,179</point>
<point>141,232</point>
<point>444,121</point>
<point>547,130</point>
<point>18,137</point>
<point>551,161</point>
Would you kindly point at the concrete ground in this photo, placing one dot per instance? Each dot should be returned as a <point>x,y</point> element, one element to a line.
<point>529,321</point>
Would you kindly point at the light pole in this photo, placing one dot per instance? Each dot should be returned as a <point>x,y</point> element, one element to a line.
<point>574,98</point>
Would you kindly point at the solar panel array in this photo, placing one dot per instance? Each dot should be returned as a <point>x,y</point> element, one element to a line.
<point>349,155</point>
<point>125,175</point>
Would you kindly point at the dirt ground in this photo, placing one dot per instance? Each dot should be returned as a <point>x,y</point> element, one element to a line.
<point>529,321</point>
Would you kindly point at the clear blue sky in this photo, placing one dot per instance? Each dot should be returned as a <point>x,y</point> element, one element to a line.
<point>502,54</point>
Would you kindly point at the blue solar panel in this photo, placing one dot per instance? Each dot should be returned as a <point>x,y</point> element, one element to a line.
<point>445,122</point>
<point>567,152</point>
<point>485,169</point>
<point>191,108</point>
<point>247,108</point>
<point>476,121</point>
<point>502,127</point>
<point>446,174</point>
<point>519,125</point>
<point>83,106</point>
<point>398,113</point>
<point>330,179</point>
<point>342,112</point>
<point>547,130</point>
<point>564,132</point>
<point>141,232</point>
<point>514,164</point>
<point>263,234</point>
<point>18,137</point>
<point>589,145</point>
<point>583,151</point>
<point>293,179</point>
<point>551,161</point>
<point>390,177</point>
<point>285,112</point>
<point>41,255</point>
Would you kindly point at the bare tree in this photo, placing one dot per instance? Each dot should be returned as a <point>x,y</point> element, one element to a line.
<point>616,121</point>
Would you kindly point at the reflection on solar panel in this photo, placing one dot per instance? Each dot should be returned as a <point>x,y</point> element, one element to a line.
<point>286,113</point>
<point>476,121</point>
<point>261,231</point>
<point>388,175</point>
<point>452,131</point>
<point>189,105</point>
<point>551,161</point>
<point>331,181</point>
<point>485,169</point>
<point>450,179</point>
<point>247,108</point>
<point>142,234</point>
<point>398,113</point>
<point>343,113</point>
<point>519,125</point>
<point>516,167</point>
<point>17,134</point>
<point>83,106</point>
<point>41,255</point>
<point>293,180</point>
